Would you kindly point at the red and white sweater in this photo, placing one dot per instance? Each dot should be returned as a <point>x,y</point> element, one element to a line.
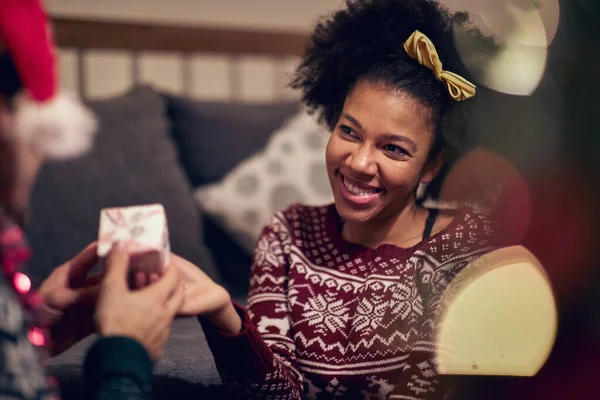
<point>328,318</point>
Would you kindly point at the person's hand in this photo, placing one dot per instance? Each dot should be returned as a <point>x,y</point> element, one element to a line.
<point>204,297</point>
<point>69,297</point>
<point>146,314</point>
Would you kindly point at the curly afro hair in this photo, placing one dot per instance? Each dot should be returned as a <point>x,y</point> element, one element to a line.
<point>365,41</point>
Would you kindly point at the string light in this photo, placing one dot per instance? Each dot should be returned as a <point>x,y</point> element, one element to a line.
<point>18,252</point>
<point>36,336</point>
<point>22,283</point>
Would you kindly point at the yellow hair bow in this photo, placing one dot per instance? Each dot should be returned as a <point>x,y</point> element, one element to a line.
<point>420,47</point>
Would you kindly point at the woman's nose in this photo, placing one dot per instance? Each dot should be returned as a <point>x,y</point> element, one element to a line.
<point>362,161</point>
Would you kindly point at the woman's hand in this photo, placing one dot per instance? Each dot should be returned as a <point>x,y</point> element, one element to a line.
<point>145,315</point>
<point>69,297</point>
<point>205,298</point>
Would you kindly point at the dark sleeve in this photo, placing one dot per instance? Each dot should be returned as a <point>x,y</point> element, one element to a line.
<point>265,364</point>
<point>118,368</point>
<point>259,370</point>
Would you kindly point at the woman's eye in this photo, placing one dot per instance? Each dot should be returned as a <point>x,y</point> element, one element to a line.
<point>396,150</point>
<point>347,131</point>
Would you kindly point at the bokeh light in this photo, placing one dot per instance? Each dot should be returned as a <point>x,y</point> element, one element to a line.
<point>498,317</point>
<point>491,184</point>
<point>515,60</point>
<point>36,336</point>
<point>563,231</point>
<point>22,283</point>
<point>550,13</point>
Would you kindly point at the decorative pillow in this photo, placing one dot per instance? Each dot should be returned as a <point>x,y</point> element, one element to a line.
<point>291,169</point>
<point>214,137</point>
<point>134,161</point>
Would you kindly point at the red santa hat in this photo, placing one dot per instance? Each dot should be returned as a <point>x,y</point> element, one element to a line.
<point>55,123</point>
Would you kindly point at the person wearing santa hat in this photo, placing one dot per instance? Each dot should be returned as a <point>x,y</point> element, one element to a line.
<point>39,123</point>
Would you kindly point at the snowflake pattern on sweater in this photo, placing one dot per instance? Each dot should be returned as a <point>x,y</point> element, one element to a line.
<point>328,319</point>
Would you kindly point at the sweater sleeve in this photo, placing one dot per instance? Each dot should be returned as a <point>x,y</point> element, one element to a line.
<point>259,362</point>
<point>118,368</point>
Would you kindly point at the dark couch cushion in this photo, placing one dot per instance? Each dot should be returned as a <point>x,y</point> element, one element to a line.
<point>186,367</point>
<point>214,137</point>
<point>232,260</point>
<point>134,161</point>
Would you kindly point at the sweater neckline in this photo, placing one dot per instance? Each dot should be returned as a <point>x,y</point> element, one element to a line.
<point>385,249</point>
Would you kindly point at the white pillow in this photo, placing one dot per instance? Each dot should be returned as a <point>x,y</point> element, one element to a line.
<point>291,169</point>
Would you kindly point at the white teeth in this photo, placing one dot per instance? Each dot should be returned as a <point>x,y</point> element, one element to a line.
<point>358,191</point>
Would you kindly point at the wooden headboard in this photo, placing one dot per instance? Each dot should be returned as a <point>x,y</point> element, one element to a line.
<point>132,40</point>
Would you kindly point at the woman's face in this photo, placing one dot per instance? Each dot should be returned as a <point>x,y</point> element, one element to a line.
<point>378,153</point>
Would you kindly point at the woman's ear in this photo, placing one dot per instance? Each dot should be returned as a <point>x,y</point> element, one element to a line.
<point>432,167</point>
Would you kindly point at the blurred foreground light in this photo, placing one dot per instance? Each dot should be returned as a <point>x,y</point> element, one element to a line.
<point>563,233</point>
<point>514,62</point>
<point>36,336</point>
<point>498,317</point>
<point>22,283</point>
<point>489,183</point>
<point>550,13</point>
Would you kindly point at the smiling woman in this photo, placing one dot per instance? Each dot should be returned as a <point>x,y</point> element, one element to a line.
<point>375,173</point>
<point>344,297</point>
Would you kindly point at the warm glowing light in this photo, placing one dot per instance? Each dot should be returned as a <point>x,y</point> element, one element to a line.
<point>37,337</point>
<point>498,317</point>
<point>550,14</point>
<point>515,69</point>
<point>489,183</point>
<point>522,31</point>
<point>535,21</point>
<point>22,283</point>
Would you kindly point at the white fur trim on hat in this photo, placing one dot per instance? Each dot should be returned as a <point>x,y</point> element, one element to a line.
<point>59,128</point>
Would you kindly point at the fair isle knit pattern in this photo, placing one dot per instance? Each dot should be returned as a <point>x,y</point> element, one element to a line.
<point>330,319</point>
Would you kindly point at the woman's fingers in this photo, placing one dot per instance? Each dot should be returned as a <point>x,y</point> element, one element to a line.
<point>175,302</point>
<point>140,280</point>
<point>165,286</point>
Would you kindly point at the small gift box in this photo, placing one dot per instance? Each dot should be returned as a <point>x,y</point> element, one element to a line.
<point>143,229</point>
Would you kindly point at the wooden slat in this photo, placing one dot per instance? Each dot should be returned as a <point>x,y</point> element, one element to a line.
<point>135,67</point>
<point>235,79</point>
<point>187,75</point>
<point>90,34</point>
<point>279,79</point>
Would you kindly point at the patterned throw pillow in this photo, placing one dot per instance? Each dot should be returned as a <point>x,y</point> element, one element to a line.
<point>291,169</point>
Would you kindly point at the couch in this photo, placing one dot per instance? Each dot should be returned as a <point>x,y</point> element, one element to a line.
<point>196,158</point>
<point>153,147</point>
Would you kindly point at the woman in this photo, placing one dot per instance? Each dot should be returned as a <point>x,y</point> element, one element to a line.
<point>343,297</point>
